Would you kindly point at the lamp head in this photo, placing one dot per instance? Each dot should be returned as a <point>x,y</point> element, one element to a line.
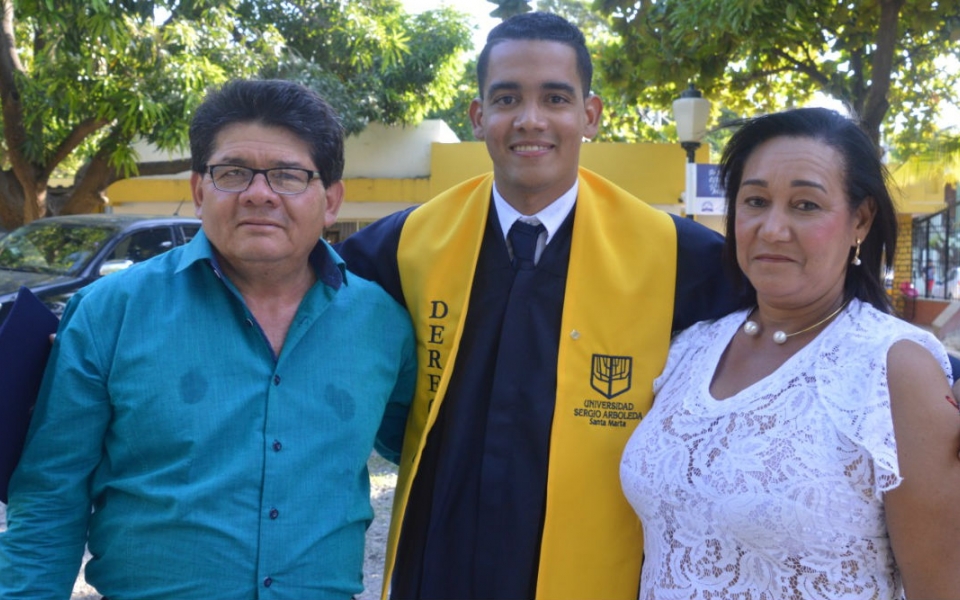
<point>691,111</point>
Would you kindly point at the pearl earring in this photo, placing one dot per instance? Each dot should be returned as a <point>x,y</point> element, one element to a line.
<point>856,255</point>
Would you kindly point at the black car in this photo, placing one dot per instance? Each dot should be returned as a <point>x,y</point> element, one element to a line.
<point>56,256</point>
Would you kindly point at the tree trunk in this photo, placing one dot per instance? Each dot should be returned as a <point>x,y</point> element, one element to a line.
<point>83,201</point>
<point>12,200</point>
<point>877,104</point>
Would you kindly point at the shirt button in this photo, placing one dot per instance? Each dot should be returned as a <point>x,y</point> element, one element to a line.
<point>274,513</point>
<point>277,445</point>
<point>249,322</point>
<point>276,380</point>
<point>267,582</point>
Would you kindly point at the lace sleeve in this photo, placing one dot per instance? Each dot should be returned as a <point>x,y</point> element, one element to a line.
<point>852,382</point>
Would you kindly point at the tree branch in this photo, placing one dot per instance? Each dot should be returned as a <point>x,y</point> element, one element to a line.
<point>807,69</point>
<point>95,176</point>
<point>876,104</point>
<point>92,180</point>
<point>859,82</point>
<point>79,133</point>
<point>166,167</point>
<point>10,104</point>
<point>745,77</point>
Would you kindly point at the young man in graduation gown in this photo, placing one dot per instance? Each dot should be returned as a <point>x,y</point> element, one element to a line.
<point>537,343</point>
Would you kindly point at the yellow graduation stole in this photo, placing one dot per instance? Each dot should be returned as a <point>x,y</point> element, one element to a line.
<point>616,324</point>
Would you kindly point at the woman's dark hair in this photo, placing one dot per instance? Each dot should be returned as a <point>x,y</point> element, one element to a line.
<point>275,103</point>
<point>864,178</point>
<point>541,27</point>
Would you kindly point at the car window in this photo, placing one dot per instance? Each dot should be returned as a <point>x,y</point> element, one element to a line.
<point>189,231</point>
<point>141,245</point>
<point>51,247</point>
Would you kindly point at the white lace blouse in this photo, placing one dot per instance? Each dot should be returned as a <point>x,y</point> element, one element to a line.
<point>777,491</point>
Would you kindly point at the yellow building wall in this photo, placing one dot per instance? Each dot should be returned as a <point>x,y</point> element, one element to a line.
<point>914,196</point>
<point>149,189</point>
<point>387,190</point>
<point>452,163</point>
<point>903,263</point>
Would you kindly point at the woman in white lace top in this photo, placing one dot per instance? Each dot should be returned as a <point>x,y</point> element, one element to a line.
<point>806,446</point>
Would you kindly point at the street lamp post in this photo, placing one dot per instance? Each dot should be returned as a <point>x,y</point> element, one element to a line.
<point>691,112</point>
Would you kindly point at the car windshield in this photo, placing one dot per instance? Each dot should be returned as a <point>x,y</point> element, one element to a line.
<point>52,247</point>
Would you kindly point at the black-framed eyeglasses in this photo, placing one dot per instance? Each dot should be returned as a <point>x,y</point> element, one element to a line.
<point>282,180</point>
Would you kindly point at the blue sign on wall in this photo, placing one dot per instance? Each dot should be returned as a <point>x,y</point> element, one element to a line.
<point>709,199</point>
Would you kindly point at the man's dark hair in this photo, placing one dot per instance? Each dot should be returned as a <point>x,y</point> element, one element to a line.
<point>538,26</point>
<point>274,103</point>
<point>864,178</point>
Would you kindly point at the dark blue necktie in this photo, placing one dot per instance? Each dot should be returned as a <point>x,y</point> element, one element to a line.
<point>523,239</point>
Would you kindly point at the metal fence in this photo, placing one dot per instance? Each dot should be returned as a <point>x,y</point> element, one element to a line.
<point>936,255</point>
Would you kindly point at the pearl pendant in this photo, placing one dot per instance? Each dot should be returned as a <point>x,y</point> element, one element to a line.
<point>752,328</point>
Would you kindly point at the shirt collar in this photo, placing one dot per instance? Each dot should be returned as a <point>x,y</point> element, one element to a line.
<point>329,267</point>
<point>552,216</point>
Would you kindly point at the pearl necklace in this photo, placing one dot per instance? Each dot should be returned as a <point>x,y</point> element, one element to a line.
<point>752,328</point>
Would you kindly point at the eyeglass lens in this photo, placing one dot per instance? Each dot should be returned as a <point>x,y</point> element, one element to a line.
<point>228,178</point>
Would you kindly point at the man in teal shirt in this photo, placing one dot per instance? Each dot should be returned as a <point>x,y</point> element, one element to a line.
<point>206,416</point>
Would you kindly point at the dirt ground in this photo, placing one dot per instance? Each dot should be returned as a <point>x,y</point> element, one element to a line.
<point>383,479</point>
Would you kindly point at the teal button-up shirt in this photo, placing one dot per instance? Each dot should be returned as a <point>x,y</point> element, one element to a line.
<point>213,468</point>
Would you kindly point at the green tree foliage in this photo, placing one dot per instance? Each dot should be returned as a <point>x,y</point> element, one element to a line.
<point>624,119</point>
<point>508,8</point>
<point>82,80</point>
<point>882,58</point>
<point>457,114</point>
<point>369,58</point>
